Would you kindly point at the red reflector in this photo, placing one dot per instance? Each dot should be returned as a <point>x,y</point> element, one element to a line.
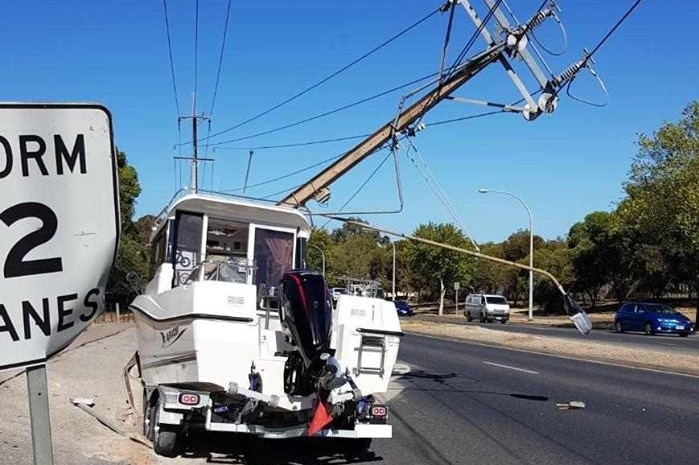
<point>189,399</point>
<point>379,411</point>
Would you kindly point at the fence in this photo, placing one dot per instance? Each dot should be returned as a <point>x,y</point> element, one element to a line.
<point>115,314</point>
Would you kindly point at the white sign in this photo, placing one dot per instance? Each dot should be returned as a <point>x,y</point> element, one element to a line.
<point>59,225</point>
<point>457,286</point>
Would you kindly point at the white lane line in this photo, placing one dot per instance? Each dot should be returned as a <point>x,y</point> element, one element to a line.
<point>511,368</point>
<point>547,354</point>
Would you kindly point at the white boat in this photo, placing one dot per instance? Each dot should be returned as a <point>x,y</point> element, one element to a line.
<point>234,336</point>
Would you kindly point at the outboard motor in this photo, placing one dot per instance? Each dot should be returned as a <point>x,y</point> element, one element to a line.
<point>306,312</point>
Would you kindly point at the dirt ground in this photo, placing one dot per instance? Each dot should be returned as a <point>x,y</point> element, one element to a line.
<point>78,439</point>
<point>578,348</point>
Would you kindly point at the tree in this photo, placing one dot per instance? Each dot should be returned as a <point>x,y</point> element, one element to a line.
<point>434,267</point>
<point>662,204</point>
<point>133,251</point>
<point>554,257</point>
<point>602,253</point>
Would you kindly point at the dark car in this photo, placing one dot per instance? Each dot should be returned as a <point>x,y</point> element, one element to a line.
<point>651,318</point>
<point>403,308</point>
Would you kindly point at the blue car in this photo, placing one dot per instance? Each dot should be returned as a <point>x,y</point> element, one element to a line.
<point>651,318</point>
<point>403,308</point>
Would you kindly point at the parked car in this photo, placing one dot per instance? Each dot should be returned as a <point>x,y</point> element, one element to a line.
<point>487,308</point>
<point>403,308</point>
<point>651,318</point>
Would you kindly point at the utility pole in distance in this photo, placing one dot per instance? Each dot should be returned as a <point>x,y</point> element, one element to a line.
<point>194,171</point>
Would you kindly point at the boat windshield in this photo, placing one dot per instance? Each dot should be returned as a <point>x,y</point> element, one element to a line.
<point>232,270</point>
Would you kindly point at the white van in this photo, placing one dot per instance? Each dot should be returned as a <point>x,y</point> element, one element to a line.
<point>487,307</point>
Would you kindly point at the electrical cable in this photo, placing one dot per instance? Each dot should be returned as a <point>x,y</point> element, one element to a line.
<point>283,191</point>
<point>473,38</point>
<point>366,181</point>
<point>328,77</point>
<point>447,36</point>
<point>613,29</point>
<point>288,175</point>
<point>361,186</point>
<point>588,56</point>
<point>172,62</point>
<point>433,184</point>
<point>324,114</point>
<point>296,144</point>
<point>464,118</point>
<point>459,58</point>
<point>220,63</point>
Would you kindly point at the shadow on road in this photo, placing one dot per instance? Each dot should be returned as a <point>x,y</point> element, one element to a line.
<point>241,449</point>
<point>443,380</point>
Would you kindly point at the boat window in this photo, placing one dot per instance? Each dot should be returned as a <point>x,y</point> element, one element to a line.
<point>188,231</point>
<point>301,244</point>
<point>158,253</point>
<point>225,238</point>
<point>273,256</point>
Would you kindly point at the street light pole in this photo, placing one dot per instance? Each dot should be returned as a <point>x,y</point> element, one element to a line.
<point>322,255</point>
<point>531,245</point>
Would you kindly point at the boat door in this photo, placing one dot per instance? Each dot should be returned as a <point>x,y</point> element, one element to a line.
<point>273,250</point>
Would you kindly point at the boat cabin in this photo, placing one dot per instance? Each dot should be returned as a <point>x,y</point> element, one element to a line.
<point>207,237</point>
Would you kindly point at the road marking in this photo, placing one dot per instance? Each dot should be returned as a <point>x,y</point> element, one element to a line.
<point>511,368</point>
<point>566,357</point>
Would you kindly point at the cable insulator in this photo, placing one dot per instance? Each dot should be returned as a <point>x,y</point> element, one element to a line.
<point>569,73</point>
<point>537,19</point>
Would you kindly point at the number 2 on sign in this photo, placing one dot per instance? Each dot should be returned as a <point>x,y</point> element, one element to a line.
<point>15,265</point>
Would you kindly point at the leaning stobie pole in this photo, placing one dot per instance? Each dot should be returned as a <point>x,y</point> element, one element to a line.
<point>577,315</point>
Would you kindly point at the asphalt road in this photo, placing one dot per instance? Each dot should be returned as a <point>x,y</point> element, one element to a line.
<point>669,342</point>
<point>469,404</point>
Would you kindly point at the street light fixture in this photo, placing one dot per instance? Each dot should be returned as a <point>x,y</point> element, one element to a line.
<point>531,244</point>
<point>321,254</point>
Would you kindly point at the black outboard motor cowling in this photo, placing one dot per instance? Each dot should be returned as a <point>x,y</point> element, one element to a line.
<point>306,311</point>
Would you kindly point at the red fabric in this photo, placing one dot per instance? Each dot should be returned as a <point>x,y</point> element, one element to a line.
<point>321,418</point>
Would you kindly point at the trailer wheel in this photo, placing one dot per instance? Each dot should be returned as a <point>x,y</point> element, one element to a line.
<point>166,441</point>
<point>165,438</point>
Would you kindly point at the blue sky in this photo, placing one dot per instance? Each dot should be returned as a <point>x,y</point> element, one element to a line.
<point>563,165</point>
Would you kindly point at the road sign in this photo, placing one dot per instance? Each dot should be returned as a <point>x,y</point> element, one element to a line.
<point>457,286</point>
<point>59,225</point>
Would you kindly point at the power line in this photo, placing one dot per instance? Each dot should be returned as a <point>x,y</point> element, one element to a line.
<point>366,181</point>
<point>614,28</point>
<point>172,63</point>
<point>324,114</point>
<point>296,144</point>
<point>288,175</point>
<point>464,118</point>
<point>328,77</point>
<point>220,62</point>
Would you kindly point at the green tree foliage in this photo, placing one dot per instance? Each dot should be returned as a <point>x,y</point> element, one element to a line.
<point>435,268</point>
<point>554,257</point>
<point>662,205</point>
<point>601,254</point>
<point>133,250</point>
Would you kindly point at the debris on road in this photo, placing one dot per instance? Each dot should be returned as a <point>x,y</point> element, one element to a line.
<point>572,405</point>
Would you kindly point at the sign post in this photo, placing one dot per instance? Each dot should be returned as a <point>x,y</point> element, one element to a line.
<point>457,286</point>
<point>59,230</point>
<point>37,386</point>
